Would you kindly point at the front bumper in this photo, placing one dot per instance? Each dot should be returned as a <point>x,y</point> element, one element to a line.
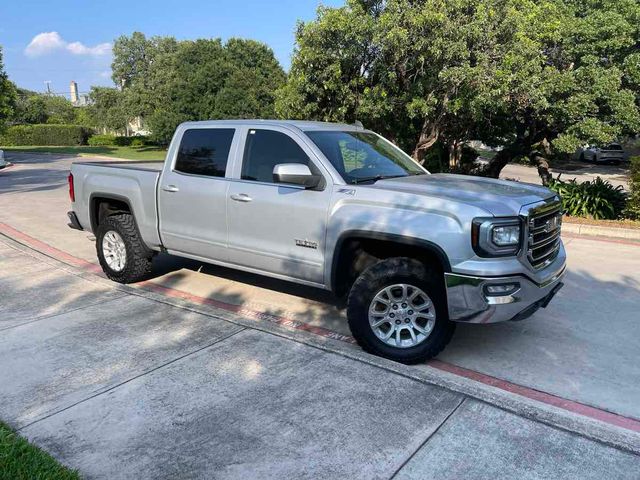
<point>470,302</point>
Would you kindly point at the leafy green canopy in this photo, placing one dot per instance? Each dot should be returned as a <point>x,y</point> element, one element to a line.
<point>7,96</point>
<point>107,109</point>
<point>518,73</point>
<point>168,81</point>
<point>36,108</point>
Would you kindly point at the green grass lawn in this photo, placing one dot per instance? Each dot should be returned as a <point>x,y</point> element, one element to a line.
<point>129,153</point>
<point>19,460</point>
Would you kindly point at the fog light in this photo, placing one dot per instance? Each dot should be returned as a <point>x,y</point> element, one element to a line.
<point>501,289</point>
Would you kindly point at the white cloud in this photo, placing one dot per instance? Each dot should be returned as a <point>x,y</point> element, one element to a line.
<point>78,48</point>
<point>44,43</point>
<point>47,42</point>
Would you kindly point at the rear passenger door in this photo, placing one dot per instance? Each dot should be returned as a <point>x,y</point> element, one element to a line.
<point>192,194</point>
<point>273,227</point>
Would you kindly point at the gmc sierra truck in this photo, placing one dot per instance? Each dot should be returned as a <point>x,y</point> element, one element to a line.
<point>336,207</point>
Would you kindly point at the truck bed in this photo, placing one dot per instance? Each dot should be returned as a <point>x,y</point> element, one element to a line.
<point>132,182</point>
<point>150,165</point>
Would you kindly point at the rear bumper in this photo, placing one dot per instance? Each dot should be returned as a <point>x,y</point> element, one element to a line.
<point>73,221</point>
<point>470,301</point>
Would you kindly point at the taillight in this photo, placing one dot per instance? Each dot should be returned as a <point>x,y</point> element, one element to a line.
<point>72,193</point>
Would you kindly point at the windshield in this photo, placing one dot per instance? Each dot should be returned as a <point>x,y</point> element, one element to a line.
<point>362,157</point>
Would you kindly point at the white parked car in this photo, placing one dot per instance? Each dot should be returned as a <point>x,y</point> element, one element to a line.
<point>3,163</point>
<point>612,153</point>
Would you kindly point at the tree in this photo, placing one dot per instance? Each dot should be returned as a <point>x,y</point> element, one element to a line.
<point>59,110</point>
<point>168,82</point>
<point>7,96</point>
<point>106,109</point>
<point>536,77</point>
<point>30,107</point>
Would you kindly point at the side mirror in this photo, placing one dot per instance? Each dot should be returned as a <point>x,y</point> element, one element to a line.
<point>295,174</point>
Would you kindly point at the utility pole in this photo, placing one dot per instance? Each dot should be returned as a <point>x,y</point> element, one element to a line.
<point>48,84</point>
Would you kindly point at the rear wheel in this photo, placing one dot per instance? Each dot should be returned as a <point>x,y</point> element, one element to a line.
<point>123,256</point>
<point>397,309</point>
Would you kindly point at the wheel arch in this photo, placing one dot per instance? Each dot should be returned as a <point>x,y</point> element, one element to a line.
<point>351,243</point>
<point>105,204</point>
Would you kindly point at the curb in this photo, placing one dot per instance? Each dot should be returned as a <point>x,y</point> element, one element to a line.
<point>604,433</point>
<point>599,231</point>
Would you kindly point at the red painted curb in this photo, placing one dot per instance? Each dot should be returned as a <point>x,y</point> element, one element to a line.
<point>604,416</point>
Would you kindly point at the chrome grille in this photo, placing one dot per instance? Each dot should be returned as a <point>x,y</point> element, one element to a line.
<point>543,243</point>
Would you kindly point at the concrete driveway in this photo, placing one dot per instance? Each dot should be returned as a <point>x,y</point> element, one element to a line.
<point>117,383</point>
<point>207,372</point>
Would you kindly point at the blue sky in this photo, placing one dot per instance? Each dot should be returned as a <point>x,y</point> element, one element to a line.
<point>62,41</point>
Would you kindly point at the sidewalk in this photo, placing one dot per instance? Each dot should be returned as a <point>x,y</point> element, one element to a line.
<point>122,384</point>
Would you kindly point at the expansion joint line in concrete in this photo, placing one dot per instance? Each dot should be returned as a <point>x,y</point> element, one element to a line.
<point>52,315</point>
<point>429,437</point>
<point>113,387</point>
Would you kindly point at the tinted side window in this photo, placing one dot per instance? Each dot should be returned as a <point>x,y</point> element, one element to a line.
<point>264,150</point>
<point>205,151</point>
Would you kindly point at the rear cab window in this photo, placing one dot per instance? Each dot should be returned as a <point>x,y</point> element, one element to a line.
<point>204,151</point>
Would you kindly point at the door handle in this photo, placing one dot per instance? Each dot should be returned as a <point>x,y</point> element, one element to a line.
<point>170,188</point>
<point>241,197</point>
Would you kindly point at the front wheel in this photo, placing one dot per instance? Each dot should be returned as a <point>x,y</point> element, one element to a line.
<point>123,256</point>
<point>397,309</point>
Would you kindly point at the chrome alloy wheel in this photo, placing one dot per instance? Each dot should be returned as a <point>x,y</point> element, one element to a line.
<point>402,315</point>
<point>114,250</point>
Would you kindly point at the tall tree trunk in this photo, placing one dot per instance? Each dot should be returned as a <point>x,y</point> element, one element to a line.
<point>428,136</point>
<point>539,158</point>
<point>497,163</point>
<point>455,155</point>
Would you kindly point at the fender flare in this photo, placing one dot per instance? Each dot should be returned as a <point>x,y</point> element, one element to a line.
<point>390,237</point>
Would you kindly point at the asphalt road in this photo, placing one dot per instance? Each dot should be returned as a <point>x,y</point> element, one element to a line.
<point>203,371</point>
<point>581,171</point>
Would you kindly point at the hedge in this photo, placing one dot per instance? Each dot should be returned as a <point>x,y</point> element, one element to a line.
<point>633,200</point>
<point>45,134</point>
<point>115,141</point>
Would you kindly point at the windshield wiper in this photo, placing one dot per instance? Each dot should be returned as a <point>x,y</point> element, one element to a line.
<point>357,181</point>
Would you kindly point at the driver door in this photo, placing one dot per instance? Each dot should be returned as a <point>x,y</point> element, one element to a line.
<point>277,228</point>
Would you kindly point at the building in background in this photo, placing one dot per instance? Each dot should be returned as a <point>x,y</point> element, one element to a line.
<point>77,99</point>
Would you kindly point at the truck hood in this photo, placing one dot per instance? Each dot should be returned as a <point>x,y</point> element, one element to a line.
<point>498,197</point>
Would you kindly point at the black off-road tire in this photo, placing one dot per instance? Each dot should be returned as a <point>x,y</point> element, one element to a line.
<point>389,272</point>
<point>138,257</point>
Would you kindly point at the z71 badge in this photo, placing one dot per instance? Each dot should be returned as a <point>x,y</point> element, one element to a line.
<point>306,244</point>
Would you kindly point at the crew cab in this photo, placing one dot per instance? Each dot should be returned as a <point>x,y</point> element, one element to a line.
<point>336,207</point>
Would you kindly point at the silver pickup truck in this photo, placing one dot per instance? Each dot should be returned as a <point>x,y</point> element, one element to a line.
<point>336,207</point>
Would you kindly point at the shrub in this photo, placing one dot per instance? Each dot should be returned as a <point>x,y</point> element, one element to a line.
<point>140,141</point>
<point>596,199</point>
<point>633,201</point>
<point>102,140</point>
<point>113,140</point>
<point>45,134</point>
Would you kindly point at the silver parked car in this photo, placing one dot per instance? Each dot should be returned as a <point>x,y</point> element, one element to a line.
<point>336,207</point>
<point>612,153</point>
<point>3,162</point>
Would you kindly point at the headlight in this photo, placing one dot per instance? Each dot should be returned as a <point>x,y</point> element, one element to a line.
<point>503,236</point>
<point>496,237</point>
